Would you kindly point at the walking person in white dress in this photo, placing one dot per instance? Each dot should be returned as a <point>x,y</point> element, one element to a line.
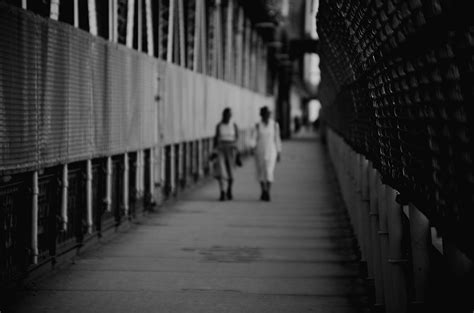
<point>225,145</point>
<point>267,151</point>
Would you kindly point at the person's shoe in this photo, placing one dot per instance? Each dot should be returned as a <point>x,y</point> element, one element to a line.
<point>267,198</point>
<point>222,197</point>
<point>262,196</point>
<point>229,194</point>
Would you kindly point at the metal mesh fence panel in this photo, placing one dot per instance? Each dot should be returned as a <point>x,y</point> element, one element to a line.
<point>66,95</point>
<point>397,85</point>
<point>18,90</point>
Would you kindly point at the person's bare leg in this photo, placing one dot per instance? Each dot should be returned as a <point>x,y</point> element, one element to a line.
<point>229,180</point>
<point>269,186</point>
<point>262,185</point>
<point>222,189</point>
<point>229,189</point>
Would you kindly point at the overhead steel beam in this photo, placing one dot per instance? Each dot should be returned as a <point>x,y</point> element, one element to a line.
<point>149,28</point>
<point>219,40</point>
<point>169,52</point>
<point>163,28</point>
<point>76,13</point>
<point>197,32</point>
<point>239,46</point>
<point>54,10</point>
<point>114,18</point>
<point>229,75</point>
<point>140,25</point>
<point>130,22</point>
<point>181,33</point>
<point>191,33</point>
<point>211,40</point>
<point>92,10</point>
<point>111,23</point>
<point>203,36</point>
<point>248,43</point>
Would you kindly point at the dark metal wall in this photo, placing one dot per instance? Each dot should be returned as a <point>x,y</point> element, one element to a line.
<point>397,84</point>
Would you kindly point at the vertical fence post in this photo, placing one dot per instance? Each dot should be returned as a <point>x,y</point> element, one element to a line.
<point>199,159</point>
<point>34,218</point>
<point>180,173</point>
<point>210,148</point>
<point>383,233</point>
<point>374,227</point>
<point>396,259</point>
<point>420,250</point>
<point>151,178</point>
<point>177,167</point>
<point>345,178</point>
<point>64,197</point>
<point>142,172</point>
<point>163,169</point>
<point>358,179</point>
<point>138,167</point>
<point>89,196</point>
<point>185,164</point>
<point>353,192</point>
<point>172,182</point>
<point>157,175</point>
<point>125,185</point>
<point>108,185</point>
<point>365,210</point>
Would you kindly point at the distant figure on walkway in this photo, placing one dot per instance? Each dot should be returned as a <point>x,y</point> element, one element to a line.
<point>267,151</point>
<point>225,153</point>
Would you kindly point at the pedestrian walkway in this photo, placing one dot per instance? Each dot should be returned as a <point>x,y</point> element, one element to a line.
<point>295,254</point>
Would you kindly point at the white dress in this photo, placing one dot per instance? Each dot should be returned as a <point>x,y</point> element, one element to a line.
<point>268,145</point>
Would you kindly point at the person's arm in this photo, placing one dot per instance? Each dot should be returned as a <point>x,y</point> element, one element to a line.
<point>254,137</point>
<point>236,132</point>
<point>278,141</point>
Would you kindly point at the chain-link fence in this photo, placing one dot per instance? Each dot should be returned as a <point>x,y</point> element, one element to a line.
<point>397,84</point>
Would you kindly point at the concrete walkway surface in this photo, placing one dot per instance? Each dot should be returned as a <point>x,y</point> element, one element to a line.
<point>294,254</point>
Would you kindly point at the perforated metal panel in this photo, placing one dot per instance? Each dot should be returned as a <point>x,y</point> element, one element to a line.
<point>66,95</point>
<point>397,85</point>
<point>18,90</point>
